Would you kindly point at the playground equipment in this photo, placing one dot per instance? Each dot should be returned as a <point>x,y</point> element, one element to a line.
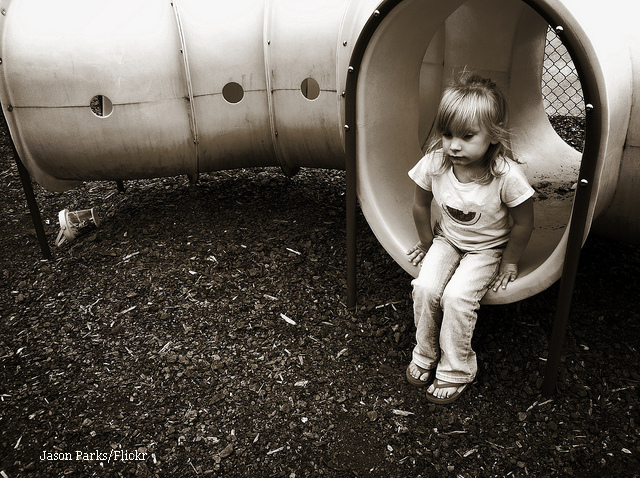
<point>125,89</point>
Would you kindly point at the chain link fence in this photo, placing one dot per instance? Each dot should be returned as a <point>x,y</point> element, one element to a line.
<point>561,89</point>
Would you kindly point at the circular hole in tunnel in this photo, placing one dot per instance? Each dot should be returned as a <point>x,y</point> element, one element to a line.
<point>101,106</point>
<point>233,92</point>
<point>310,88</point>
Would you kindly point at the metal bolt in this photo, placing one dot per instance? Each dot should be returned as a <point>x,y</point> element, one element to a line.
<point>559,29</point>
<point>376,13</point>
<point>589,107</point>
<point>344,43</point>
<point>346,127</point>
<point>276,134</point>
<point>268,42</point>
<point>350,69</point>
<point>9,108</point>
<point>3,11</point>
<point>584,183</point>
<point>0,61</point>
<point>344,93</point>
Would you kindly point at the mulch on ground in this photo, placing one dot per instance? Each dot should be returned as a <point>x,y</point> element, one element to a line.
<point>202,331</point>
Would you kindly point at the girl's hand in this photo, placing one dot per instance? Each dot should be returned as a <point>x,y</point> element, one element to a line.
<point>417,253</point>
<point>507,273</point>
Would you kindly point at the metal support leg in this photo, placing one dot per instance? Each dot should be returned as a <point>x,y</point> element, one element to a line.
<point>577,229</point>
<point>352,293</point>
<point>561,321</point>
<point>33,207</point>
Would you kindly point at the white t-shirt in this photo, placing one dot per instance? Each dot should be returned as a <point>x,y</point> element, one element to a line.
<point>473,216</point>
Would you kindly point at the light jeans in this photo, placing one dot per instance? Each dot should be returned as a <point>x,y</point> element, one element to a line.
<point>446,297</point>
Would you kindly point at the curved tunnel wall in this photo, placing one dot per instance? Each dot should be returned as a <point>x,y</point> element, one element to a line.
<point>55,62</point>
<point>196,86</point>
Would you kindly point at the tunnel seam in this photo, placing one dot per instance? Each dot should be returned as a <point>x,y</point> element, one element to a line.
<point>187,72</point>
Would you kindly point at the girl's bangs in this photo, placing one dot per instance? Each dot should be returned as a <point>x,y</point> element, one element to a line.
<point>460,116</point>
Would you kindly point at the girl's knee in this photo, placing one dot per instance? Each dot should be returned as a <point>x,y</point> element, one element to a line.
<point>425,288</point>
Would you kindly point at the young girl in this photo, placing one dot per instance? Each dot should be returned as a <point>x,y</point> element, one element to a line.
<point>486,208</point>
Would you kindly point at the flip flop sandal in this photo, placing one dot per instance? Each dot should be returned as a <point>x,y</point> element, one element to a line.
<point>419,382</point>
<point>461,387</point>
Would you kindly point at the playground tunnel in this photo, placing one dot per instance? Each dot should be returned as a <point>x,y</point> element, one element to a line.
<point>183,87</point>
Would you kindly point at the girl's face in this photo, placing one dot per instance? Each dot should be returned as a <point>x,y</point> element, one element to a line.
<point>467,148</point>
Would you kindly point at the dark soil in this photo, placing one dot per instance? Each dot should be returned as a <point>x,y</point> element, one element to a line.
<point>205,329</point>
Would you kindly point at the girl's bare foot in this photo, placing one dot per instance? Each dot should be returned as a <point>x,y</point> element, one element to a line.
<point>442,392</point>
<point>418,376</point>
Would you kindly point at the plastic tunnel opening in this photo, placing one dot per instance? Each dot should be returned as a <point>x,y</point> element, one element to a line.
<point>408,60</point>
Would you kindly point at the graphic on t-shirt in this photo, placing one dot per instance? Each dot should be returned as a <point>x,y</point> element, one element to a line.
<point>461,217</point>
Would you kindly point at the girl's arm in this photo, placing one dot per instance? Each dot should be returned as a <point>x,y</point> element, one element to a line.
<point>422,218</point>
<point>520,234</point>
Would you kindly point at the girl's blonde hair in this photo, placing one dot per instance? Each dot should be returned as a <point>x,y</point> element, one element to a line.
<point>472,99</point>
